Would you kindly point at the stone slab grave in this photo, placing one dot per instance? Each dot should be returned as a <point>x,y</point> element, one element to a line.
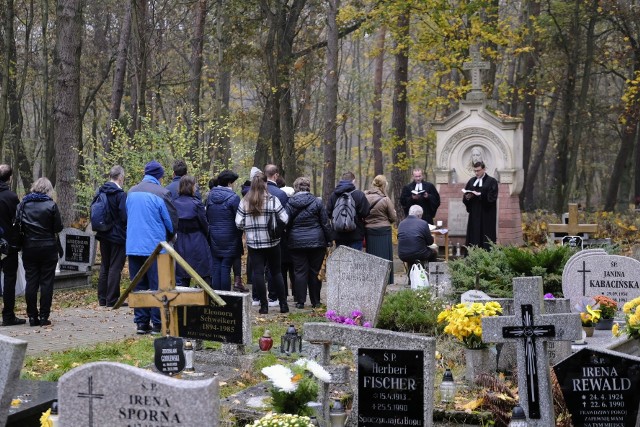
<point>35,398</point>
<point>530,328</point>
<point>440,279</point>
<point>356,281</point>
<point>395,373</point>
<point>114,394</point>
<point>593,272</point>
<point>74,268</point>
<point>12,352</point>
<point>600,387</point>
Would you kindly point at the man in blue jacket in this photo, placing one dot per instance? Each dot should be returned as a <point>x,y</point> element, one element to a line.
<point>179,170</point>
<point>151,219</point>
<point>112,241</point>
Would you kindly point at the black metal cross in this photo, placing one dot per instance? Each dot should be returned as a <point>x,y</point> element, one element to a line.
<point>584,272</point>
<point>528,331</point>
<point>437,272</point>
<point>90,395</point>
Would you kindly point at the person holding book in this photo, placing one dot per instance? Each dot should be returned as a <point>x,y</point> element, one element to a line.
<point>422,193</point>
<point>480,198</point>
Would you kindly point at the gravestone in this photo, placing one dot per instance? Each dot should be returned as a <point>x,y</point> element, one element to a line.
<point>12,353</point>
<point>79,250</point>
<point>395,373</point>
<point>600,387</point>
<point>440,279</point>
<point>593,272</point>
<point>356,281</point>
<point>474,295</point>
<point>114,394</point>
<point>530,328</point>
<point>574,242</point>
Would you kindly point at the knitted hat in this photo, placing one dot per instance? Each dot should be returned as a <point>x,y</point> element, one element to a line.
<point>154,169</point>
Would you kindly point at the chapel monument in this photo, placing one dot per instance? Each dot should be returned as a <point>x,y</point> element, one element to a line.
<point>474,133</point>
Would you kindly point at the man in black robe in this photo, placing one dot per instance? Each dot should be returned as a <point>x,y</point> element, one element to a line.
<point>480,199</point>
<point>422,193</point>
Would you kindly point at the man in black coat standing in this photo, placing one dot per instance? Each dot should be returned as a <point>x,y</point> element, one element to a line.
<point>9,265</point>
<point>480,199</point>
<point>422,193</point>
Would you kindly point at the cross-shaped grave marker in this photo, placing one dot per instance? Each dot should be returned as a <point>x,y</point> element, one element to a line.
<point>90,395</point>
<point>530,328</point>
<point>573,228</point>
<point>167,298</point>
<point>475,66</point>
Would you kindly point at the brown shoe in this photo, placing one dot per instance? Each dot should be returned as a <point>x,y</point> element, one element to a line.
<point>238,286</point>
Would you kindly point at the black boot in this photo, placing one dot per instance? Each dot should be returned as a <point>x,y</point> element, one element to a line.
<point>264,308</point>
<point>284,307</point>
<point>44,321</point>
<point>34,321</point>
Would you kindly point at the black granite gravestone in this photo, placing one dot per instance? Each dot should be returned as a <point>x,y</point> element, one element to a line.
<point>77,248</point>
<point>169,355</point>
<point>572,242</point>
<point>213,322</point>
<point>36,397</point>
<point>390,387</point>
<point>600,387</point>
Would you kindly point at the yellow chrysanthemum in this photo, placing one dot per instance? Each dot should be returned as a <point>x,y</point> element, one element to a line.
<point>615,330</point>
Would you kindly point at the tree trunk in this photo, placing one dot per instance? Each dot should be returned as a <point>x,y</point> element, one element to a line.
<point>117,89</point>
<point>66,115</point>
<point>331,107</point>
<point>261,155</point>
<point>399,115</point>
<point>376,139</point>
<point>139,72</point>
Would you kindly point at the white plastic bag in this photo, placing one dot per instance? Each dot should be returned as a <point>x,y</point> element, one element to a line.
<point>21,283</point>
<point>418,277</point>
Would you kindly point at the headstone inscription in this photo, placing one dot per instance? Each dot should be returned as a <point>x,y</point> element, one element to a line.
<point>169,355</point>
<point>474,295</point>
<point>530,328</point>
<point>600,387</point>
<point>395,373</point>
<point>593,272</point>
<point>79,250</point>
<point>356,281</point>
<point>118,395</point>
<point>227,324</point>
<point>12,353</point>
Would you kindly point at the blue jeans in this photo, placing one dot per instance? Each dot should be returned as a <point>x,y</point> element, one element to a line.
<point>221,279</point>
<point>149,282</point>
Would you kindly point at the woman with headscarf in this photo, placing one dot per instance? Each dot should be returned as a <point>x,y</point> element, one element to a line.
<point>40,221</point>
<point>253,215</point>
<point>378,223</point>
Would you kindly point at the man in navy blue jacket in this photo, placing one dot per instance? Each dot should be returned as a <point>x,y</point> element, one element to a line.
<point>112,242</point>
<point>179,170</point>
<point>152,218</point>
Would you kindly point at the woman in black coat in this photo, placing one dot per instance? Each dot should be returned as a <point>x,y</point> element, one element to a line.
<point>193,232</point>
<point>39,220</point>
<point>309,235</point>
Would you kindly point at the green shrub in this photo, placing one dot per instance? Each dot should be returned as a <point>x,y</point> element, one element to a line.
<point>411,311</point>
<point>488,271</point>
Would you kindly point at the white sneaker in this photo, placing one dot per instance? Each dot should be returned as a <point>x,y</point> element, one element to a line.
<point>273,303</point>
<point>255,302</point>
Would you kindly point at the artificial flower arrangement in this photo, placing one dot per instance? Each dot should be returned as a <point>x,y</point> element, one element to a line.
<point>608,306</point>
<point>355,319</point>
<point>589,312</point>
<point>631,310</point>
<point>282,420</point>
<point>292,388</point>
<point>464,321</point>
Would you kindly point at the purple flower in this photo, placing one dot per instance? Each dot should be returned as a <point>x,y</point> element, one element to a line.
<point>341,319</point>
<point>356,313</point>
<point>331,315</point>
<point>549,296</point>
<point>367,324</point>
<point>348,321</point>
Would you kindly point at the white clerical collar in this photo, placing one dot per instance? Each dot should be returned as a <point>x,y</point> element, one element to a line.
<point>478,182</point>
<point>418,186</point>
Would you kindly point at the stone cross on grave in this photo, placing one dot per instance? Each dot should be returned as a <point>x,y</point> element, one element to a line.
<point>573,228</point>
<point>475,66</point>
<point>530,329</point>
<point>168,297</point>
<point>437,272</point>
<point>90,395</point>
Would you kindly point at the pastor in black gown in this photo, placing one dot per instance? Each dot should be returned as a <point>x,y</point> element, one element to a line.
<point>482,209</point>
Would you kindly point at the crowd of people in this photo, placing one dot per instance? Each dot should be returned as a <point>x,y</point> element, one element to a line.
<point>286,230</point>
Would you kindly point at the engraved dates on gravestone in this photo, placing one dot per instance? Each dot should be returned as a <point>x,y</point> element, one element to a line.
<point>169,355</point>
<point>599,387</point>
<point>390,387</point>
<point>593,272</point>
<point>118,395</point>
<point>226,324</point>
<point>79,250</point>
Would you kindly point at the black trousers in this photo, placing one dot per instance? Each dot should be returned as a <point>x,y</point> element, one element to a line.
<point>260,260</point>
<point>9,267</point>
<point>306,267</point>
<point>40,270</point>
<point>113,258</point>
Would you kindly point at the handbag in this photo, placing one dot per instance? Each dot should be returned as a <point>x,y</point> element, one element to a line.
<point>274,225</point>
<point>418,277</point>
<point>17,225</point>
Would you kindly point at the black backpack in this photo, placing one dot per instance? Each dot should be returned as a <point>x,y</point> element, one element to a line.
<point>101,216</point>
<point>344,213</point>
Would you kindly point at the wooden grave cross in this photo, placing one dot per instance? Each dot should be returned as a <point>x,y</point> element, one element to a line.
<point>573,228</point>
<point>530,329</point>
<point>168,298</point>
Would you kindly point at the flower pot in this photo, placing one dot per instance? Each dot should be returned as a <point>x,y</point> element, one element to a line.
<point>478,361</point>
<point>604,324</point>
<point>588,330</point>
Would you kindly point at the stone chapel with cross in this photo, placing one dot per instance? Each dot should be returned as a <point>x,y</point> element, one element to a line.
<point>476,133</point>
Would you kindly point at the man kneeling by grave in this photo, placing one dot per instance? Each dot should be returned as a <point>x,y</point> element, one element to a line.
<point>415,242</point>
